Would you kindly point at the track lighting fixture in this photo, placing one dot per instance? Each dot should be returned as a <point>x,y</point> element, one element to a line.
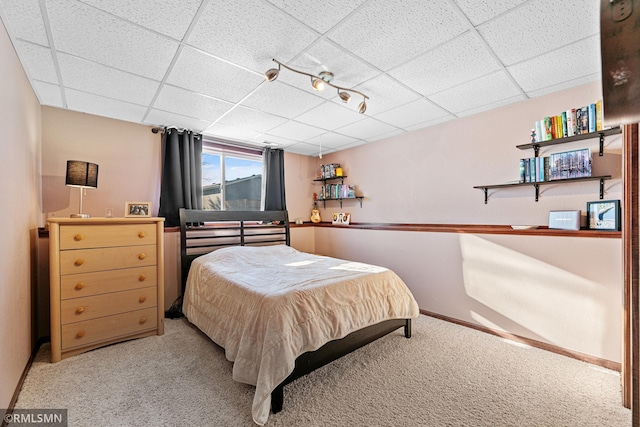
<point>319,82</point>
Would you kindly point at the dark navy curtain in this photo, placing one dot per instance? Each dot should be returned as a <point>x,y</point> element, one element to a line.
<point>181,185</point>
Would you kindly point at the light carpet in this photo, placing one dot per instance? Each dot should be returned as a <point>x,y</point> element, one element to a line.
<point>445,375</point>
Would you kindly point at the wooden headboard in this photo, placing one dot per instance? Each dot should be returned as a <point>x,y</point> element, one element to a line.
<point>204,231</point>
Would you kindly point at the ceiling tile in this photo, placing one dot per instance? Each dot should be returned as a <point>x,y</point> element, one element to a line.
<point>307,149</point>
<point>37,61</point>
<point>296,131</point>
<point>496,104</point>
<point>278,140</point>
<point>169,17</point>
<point>431,123</point>
<point>332,11</point>
<point>95,78</point>
<point>477,93</point>
<point>180,101</point>
<point>330,116</point>
<point>532,33</point>
<point>412,113</point>
<point>231,133</point>
<point>348,70</point>
<point>558,66</point>
<point>164,119</point>
<point>597,77</point>
<point>384,94</point>
<point>23,20</point>
<point>331,140</point>
<point>254,120</point>
<point>386,33</point>
<point>366,129</point>
<point>249,33</point>
<point>101,106</point>
<point>479,11</point>
<point>447,65</point>
<point>197,71</point>
<point>103,38</point>
<point>48,94</point>
<point>282,100</point>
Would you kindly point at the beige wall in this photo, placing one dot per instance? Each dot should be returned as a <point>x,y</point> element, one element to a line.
<point>128,156</point>
<point>563,291</point>
<point>20,194</point>
<point>427,176</point>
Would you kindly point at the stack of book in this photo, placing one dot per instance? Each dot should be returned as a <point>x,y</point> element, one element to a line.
<point>565,165</point>
<point>575,121</point>
<point>337,191</point>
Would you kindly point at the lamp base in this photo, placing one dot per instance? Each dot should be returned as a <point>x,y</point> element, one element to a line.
<point>80,215</point>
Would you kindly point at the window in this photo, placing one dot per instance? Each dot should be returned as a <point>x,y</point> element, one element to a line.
<point>231,178</point>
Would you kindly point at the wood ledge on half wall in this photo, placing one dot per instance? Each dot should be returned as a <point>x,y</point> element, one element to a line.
<point>542,230</point>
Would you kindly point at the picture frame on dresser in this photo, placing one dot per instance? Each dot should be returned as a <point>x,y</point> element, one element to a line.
<point>603,215</point>
<point>137,209</point>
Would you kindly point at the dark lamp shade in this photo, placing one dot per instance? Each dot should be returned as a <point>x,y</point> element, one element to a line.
<point>81,174</point>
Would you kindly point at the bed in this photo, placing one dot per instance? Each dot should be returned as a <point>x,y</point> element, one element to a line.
<point>280,313</point>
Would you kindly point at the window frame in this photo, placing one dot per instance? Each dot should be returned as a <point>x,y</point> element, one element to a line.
<point>224,150</point>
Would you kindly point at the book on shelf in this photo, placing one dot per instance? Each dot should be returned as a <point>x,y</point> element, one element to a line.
<point>599,115</point>
<point>592,118</point>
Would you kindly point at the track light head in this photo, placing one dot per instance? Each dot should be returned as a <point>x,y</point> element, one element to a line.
<point>318,84</point>
<point>344,96</point>
<point>362,107</point>
<point>272,74</point>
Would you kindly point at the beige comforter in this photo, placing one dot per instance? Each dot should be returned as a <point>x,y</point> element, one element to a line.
<point>267,305</point>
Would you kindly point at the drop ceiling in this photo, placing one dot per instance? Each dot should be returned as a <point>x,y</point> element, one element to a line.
<point>199,64</point>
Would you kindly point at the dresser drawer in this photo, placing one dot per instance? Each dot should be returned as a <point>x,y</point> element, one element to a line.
<point>88,260</point>
<point>104,328</point>
<point>98,236</point>
<point>80,309</point>
<point>102,282</point>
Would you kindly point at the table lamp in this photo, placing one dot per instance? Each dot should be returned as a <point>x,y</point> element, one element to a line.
<point>83,175</point>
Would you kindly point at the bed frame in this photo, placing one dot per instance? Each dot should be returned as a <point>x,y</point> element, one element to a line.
<point>205,231</point>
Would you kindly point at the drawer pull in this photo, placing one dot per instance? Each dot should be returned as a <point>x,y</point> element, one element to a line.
<point>79,262</point>
<point>79,286</point>
<point>80,334</point>
<point>80,310</point>
<point>142,278</point>
<point>142,299</point>
<point>142,256</point>
<point>78,237</point>
<point>143,320</point>
<point>142,234</point>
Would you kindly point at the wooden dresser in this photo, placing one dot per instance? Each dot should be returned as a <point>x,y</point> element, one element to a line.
<point>106,282</point>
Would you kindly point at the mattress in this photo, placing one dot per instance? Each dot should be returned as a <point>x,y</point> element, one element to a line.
<point>267,305</point>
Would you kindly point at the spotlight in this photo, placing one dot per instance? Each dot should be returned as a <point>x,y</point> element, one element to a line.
<point>272,74</point>
<point>344,96</point>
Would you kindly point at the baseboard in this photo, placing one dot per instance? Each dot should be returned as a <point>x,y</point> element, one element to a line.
<point>16,392</point>
<point>533,343</point>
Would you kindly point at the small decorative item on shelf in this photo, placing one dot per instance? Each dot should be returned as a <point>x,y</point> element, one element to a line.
<point>604,215</point>
<point>533,136</point>
<point>341,218</point>
<point>315,214</point>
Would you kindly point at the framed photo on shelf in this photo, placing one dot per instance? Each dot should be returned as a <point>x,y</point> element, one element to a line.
<point>604,215</point>
<point>137,209</point>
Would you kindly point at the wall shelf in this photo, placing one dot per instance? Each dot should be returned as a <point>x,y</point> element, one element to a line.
<point>340,199</point>
<point>599,134</point>
<point>537,185</point>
